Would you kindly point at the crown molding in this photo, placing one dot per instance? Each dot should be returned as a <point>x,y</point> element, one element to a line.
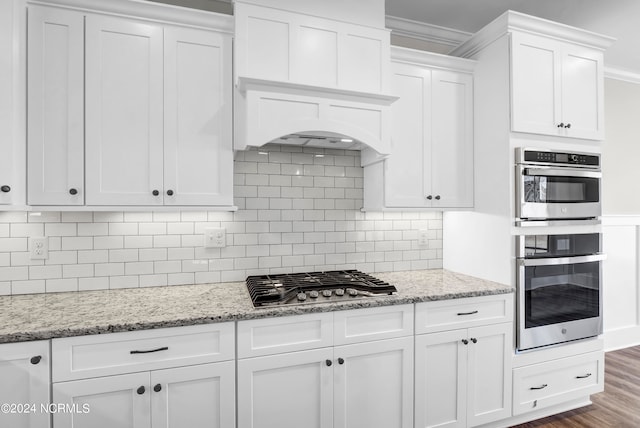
<point>516,21</point>
<point>622,74</point>
<point>148,10</point>
<point>425,32</point>
<point>431,59</point>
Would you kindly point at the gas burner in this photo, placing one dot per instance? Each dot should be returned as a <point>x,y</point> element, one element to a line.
<point>314,287</point>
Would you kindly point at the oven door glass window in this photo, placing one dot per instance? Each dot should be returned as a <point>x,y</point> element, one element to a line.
<point>560,189</point>
<point>561,293</point>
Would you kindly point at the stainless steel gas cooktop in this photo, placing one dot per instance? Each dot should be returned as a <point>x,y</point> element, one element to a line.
<point>314,287</point>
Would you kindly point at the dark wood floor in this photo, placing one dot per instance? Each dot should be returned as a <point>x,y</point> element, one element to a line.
<point>618,406</point>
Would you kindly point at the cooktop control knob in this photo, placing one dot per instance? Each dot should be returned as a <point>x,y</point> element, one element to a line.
<point>326,293</point>
<point>339,292</point>
<point>313,294</point>
<point>352,292</point>
<point>302,297</point>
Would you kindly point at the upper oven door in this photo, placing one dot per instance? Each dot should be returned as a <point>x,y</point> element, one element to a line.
<point>557,193</point>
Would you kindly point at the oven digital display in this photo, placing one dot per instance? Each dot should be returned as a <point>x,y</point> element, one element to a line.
<point>562,157</point>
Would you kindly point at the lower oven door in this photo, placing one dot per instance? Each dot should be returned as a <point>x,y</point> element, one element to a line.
<point>559,299</point>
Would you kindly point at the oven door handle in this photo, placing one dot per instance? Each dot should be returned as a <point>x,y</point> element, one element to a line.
<point>562,172</point>
<point>562,260</point>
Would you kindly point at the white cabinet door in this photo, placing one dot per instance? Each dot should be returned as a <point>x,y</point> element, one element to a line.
<point>373,384</point>
<point>105,402</point>
<point>290,390</point>
<point>441,379</point>
<point>198,146</point>
<point>194,396</point>
<point>583,92</point>
<point>451,163</point>
<point>405,169</point>
<point>489,387</point>
<point>24,370</point>
<point>55,136</point>
<point>124,112</point>
<point>535,75</point>
<point>12,161</point>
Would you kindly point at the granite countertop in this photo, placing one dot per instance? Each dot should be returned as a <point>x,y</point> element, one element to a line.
<point>54,315</point>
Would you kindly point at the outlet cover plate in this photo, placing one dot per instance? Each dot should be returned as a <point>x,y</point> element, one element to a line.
<point>39,248</point>
<point>215,237</point>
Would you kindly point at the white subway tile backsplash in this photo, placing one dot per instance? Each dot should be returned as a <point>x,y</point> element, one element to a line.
<point>129,281</point>
<point>299,209</point>
<point>59,285</point>
<point>45,272</point>
<point>96,283</point>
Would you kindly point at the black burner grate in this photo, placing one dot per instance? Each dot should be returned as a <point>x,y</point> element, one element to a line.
<point>268,290</point>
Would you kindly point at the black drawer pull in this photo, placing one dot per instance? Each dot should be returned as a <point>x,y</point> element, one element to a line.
<point>583,376</point>
<point>164,348</point>
<point>141,390</point>
<point>467,313</point>
<point>539,387</point>
<point>157,388</point>
<point>328,363</point>
<point>35,360</point>
<point>5,189</point>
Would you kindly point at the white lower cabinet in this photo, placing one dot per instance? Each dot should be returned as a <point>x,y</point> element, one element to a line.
<point>25,384</point>
<point>173,393</point>
<point>463,376</point>
<point>194,396</point>
<point>366,383</point>
<point>553,382</point>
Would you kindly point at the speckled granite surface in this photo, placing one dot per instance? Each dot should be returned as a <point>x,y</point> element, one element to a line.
<point>46,316</point>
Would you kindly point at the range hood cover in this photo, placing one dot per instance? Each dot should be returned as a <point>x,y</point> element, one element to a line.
<point>303,77</point>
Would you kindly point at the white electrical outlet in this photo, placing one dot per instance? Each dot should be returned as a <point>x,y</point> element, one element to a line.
<point>39,248</point>
<point>423,238</point>
<point>215,237</point>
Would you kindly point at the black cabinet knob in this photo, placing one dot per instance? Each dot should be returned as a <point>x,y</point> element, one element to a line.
<point>170,192</point>
<point>73,191</point>
<point>568,125</point>
<point>328,363</point>
<point>437,197</point>
<point>561,125</point>
<point>474,340</point>
<point>157,388</point>
<point>5,189</point>
<point>155,193</point>
<point>429,197</point>
<point>465,341</point>
<point>340,360</point>
<point>35,360</point>
<point>141,390</point>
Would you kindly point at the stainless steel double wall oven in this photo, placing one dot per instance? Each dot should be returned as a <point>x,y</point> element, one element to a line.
<point>559,265</point>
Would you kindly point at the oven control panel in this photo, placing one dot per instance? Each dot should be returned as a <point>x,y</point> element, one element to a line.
<point>562,158</point>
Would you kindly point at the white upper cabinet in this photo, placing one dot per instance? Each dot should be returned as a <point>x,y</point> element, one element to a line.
<point>555,82</point>
<point>557,88</point>
<point>138,111</point>
<point>124,112</point>
<point>431,161</point>
<point>198,153</point>
<point>55,136</point>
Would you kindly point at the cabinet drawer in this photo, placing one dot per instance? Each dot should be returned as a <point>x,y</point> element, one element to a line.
<point>463,313</point>
<point>553,382</point>
<point>284,334</point>
<point>364,325</point>
<point>118,353</point>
